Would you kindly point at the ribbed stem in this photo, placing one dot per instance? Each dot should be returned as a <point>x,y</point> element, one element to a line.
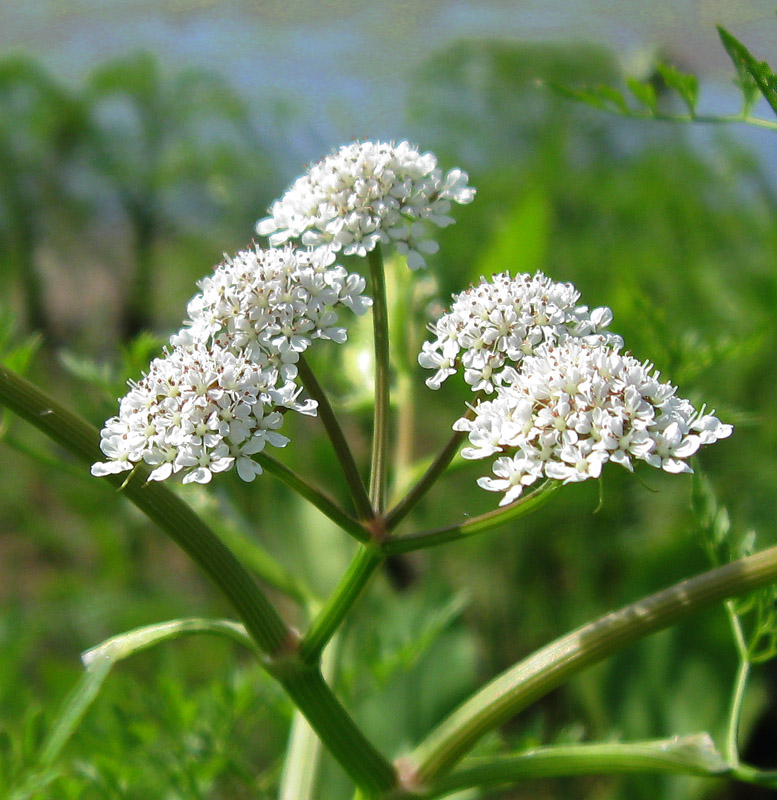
<point>691,755</point>
<point>324,504</point>
<point>481,523</point>
<point>327,621</point>
<point>551,666</point>
<point>303,753</point>
<point>159,504</point>
<point>343,452</point>
<point>369,769</point>
<point>380,426</point>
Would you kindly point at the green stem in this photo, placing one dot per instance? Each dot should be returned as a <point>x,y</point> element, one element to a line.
<point>327,621</point>
<point>135,641</point>
<point>432,474</point>
<point>368,768</point>
<point>323,503</point>
<point>690,755</point>
<point>380,426</point>
<point>303,754</point>
<point>343,452</point>
<point>740,682</point>
<point>723,119</point>
<point>707,119</point>
<point>483,522</point>
<point>760,777</point>
<point>554,664</point>
<point>427,480</point>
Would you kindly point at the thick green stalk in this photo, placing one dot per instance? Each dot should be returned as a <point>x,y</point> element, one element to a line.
<point>483,522</point>
<point>328,620</point>
<point>303,753</point>
<point>343,452</point>
<point>373,774</point>
<point>551,666</point>
<point>323,503</point>
<point>380,425</point>
<point>303,682</point>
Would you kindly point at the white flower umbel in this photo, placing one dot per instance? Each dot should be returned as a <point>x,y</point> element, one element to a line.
<point>368,193</point>
<point>199,410</point>
<point>570,408</point>
<point>218,397</point>
<point>491,327</point>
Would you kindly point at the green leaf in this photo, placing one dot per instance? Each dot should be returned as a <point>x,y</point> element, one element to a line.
<point>645,93</point>
<point>603,97</point>
<point>753,74</point>
<point>685,84</point>
<point>126,644</point>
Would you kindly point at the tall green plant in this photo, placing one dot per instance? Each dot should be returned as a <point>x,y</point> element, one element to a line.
<point>554,398</point>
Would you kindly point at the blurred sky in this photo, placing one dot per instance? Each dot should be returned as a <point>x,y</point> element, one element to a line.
<point>342,65</point>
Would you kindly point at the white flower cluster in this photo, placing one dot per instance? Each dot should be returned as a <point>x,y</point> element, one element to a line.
<point>272,303</point>
<point>494,325</point>
<point>570,408</point>
<point>368,193</point>
<point>219,395</point>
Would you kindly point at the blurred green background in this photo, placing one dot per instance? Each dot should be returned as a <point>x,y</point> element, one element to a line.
<point>122,181</point>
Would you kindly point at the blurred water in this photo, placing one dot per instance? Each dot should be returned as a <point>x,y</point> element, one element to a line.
<point>339,67</point>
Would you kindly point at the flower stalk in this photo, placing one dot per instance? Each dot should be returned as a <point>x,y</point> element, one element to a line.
<point>428,479</point>
<point>554,664</point>
<point>324,504</point>
<point>328,620</point>
<point>483,522</point>
<point>380,426</point>
<point>302,681</point>
<point>343,452</point>
<point>370,771</point>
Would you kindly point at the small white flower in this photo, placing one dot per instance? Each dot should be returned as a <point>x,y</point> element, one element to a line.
<point>513,475</point>
<point>365,194</point>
